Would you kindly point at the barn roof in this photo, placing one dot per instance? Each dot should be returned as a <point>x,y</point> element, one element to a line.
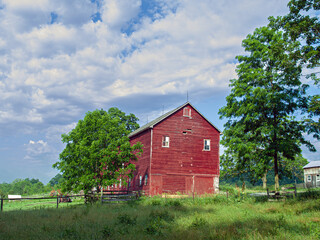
<point>164,116</point>
<point>312,164</point>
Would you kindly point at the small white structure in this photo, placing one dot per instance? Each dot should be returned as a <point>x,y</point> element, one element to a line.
<point>312,174</point>
<point>14,197</point>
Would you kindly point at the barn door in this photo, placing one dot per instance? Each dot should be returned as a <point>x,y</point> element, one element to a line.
<point>156,185</point>
<point>203,185</point>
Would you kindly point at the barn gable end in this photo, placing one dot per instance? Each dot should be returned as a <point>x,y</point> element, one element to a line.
<point>181,154</point>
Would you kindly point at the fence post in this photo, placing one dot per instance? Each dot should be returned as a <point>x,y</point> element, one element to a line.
<point>227,194</point>
<point>1,204</point>
<point>57,201</point>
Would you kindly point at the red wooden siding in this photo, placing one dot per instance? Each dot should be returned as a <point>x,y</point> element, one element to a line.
<point>184,166</point>
<point>143,164</point>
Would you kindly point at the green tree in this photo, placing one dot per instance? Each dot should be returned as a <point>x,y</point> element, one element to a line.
<point>302,24</point>
<point>98,151</point>
<point>261,108</point>
<point>56,180</point>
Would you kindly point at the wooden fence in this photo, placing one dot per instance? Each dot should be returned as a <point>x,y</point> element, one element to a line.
<point>108,196</point>
<point>283,193</point>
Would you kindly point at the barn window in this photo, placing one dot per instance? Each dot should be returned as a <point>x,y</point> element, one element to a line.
<point>206,144</point>
<point>165,141</point>
<point>187,131</point>
<point>146,179</point>
<point>318,178</point>
<point>309,178</point>
<point>187,112</point>
<point>140,180</point>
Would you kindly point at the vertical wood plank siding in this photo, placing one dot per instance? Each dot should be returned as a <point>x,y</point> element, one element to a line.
<point>184,166</point>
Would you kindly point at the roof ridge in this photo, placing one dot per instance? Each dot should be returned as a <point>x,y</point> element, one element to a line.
<point>164,116</point>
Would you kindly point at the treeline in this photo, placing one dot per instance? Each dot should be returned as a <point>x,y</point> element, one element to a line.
<point>30,186</point>
<point>239,179</point>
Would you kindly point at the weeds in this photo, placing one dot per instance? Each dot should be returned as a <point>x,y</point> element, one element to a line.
<point>209,217</point>
<point>125,219</point>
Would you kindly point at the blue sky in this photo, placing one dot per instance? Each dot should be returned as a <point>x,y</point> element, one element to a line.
<point>60,59</point>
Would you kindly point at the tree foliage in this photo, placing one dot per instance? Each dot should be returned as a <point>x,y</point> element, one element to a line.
<point>98,151</point>
<point>56,180</point>
<point>24,187</point>
<point>261,108</point>
<point>302,24</point>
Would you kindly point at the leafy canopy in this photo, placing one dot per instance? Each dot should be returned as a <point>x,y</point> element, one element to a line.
<point>262,105</point>
<point>302,24</point>
<point>98,151</point>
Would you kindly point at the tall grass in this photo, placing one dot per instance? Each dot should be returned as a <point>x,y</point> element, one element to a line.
<point>210,217</point>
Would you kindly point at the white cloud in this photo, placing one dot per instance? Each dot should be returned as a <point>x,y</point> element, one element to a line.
<point>36,148</point>
<point>56,63</point>
<point>116,13</point>
<point>26,4</point>
<point>76,64</point>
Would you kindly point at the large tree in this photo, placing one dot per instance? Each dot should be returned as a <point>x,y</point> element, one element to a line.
<point>261,109</point>
<point>302,24</point>
<point>98,152</point>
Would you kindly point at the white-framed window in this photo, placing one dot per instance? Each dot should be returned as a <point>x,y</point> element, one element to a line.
<point>140,180</point>
<point>187,112</point>
<point>146,179</point>
<point>318,178</point>
<point>165,141</point>
<point>206,144</point>
<point>309,178</point>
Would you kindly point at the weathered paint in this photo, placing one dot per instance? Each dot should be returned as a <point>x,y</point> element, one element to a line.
<point>184,166</point>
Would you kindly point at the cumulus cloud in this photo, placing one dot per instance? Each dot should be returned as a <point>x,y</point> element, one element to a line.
<point>60,59</point>
<point>36,150</point>
<point>72,62</point>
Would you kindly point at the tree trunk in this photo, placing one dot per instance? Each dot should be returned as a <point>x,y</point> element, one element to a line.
<point>264,180</point>
<point>276,171</point>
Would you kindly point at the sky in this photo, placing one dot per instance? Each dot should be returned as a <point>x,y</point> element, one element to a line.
<point>62,58</point>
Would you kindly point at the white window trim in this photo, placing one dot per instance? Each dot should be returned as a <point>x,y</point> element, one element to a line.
<point>318,178</point>
<point>309,178</point>
<point>165,141</point>
<point>146,179</point>
<point>204,145</point>
<point>140,181</point>
<point>187,112</point>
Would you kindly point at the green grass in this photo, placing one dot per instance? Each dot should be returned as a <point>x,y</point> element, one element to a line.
<point>238,217</point>
<point>12,205</point>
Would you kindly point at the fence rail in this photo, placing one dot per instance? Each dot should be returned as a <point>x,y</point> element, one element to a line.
<point>283,193</point>
<point>106,196</point>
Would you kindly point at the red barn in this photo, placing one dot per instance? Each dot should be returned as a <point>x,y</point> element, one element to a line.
<point>180,154</point>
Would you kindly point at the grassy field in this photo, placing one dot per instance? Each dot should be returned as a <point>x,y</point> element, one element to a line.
<point>35,204</point>
<point>158,218</point>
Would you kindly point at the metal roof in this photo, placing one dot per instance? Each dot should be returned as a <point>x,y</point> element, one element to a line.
<point>312,164</point>
<point>164,116</point>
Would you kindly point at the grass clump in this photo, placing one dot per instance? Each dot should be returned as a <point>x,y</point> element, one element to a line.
<point>208,217</point>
